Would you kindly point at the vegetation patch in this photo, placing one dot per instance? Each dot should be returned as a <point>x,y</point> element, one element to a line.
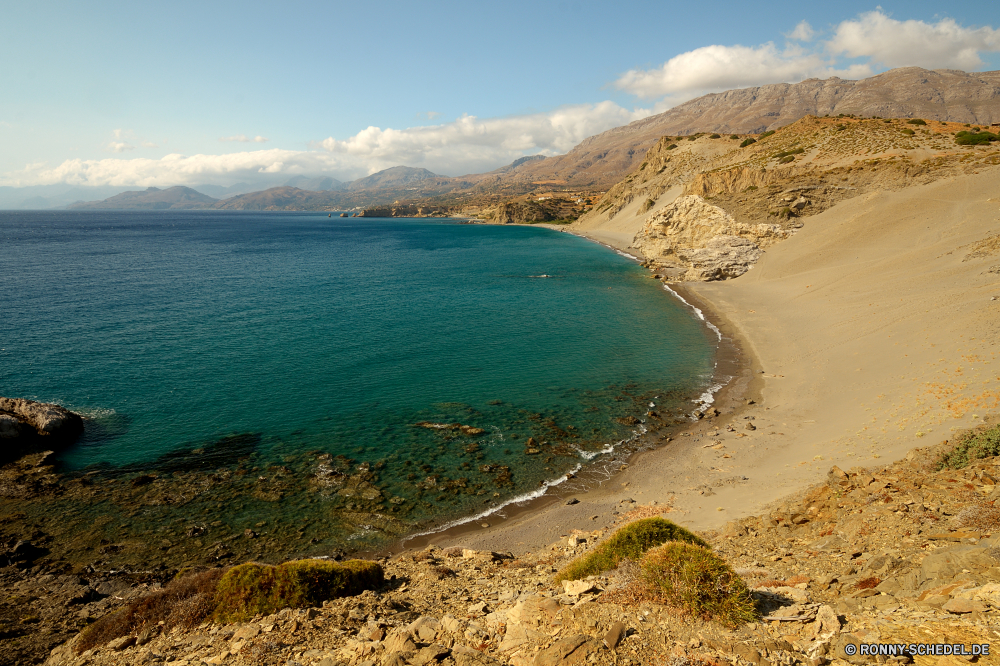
<point>234,594</point>
<point>671,146</point>
<point>915,121</point>
<point>733,136</point>
<point>767,134</point>
<point>964,138</point>
<point>715,136</point>
<point>695,580</point>
<point>249,589</point>
<point>974,445</point>
<point>747,142</point>
<point>185,602</point>
<point>786,153</point>
<point>631,541</point>
<point>908,132</point>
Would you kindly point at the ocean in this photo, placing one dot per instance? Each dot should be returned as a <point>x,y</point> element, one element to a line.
<point>315,383</point>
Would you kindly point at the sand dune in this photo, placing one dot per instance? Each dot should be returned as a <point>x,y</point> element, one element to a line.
<point>874,330</point>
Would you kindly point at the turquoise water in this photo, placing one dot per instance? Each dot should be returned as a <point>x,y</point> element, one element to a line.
<point>302,333</point>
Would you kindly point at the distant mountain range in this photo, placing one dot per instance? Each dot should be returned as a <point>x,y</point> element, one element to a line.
<point>597,162</point>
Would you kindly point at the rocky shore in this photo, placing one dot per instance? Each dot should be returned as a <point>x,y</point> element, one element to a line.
<point>27,426</point>
<point>901,553</point>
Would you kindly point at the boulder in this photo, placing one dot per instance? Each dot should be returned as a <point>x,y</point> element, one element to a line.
<point>27,426</point>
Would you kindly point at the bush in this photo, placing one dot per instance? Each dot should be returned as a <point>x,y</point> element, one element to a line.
<point>254,588</point>
<point>767,134</point>
<point>975,138</point>
<point>671,146</point>
<point>786,153</point>
<point>747,142</point>
<point>715,136</point>
<point>974,445</point>
<point>908,132</point>
<point>695,580</point>
<point>184,602</point>
<point>786,159</point>
<point>915,121</point>
<point>630,541</point>
<point>734,136</point>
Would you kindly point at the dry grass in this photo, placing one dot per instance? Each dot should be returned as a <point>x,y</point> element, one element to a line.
<point>184,602</point>
<point>694,580</point>
<point>982,516</point>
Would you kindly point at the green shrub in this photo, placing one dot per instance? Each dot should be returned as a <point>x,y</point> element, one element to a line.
<point>786,153</point>
<point>747,142</point>
<point>630,541</point>
<point>253,588</point>
<point>715,136</point>
<point>964,138</point>
<point>695,580</point>
<point>786,159</point>
<point>671,146</point>
<point>972,446</point>
<point>767,134</point>
<point>908,132</point>
<point>887,121</point>
<point>915,121</point>
<point>734,136</point>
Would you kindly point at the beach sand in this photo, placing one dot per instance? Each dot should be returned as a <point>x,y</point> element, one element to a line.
<point>868,333</point>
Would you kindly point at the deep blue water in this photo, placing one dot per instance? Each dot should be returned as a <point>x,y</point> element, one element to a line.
<point>174,329</point>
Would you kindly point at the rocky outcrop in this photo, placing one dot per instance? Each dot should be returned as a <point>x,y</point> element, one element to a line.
<point>703,241</point>
<point>521,212</point>
<point>26,426</point>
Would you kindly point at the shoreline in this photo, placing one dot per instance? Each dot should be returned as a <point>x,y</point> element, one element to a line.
<point>833,379</point>
<point>733,384</point>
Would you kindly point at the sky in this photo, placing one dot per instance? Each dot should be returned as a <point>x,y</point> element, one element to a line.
<point>185,93</point>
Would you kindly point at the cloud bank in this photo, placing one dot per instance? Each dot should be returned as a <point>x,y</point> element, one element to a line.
<point>243,138</point>
<point>466,145</point>
<point>880,41</point>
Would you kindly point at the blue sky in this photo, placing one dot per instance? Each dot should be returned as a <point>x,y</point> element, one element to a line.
<point>139,94</point>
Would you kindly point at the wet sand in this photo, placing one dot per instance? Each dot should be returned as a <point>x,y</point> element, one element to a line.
<point>872,331</point>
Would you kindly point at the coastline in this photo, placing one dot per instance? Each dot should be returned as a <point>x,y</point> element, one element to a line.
<point>834,378</point>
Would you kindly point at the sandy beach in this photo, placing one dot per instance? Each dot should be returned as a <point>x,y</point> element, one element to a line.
<point>872,331</point>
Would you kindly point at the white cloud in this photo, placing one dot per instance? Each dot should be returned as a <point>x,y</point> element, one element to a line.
<point>471,144</point>
<point>874,38</point>
<point>243,138</point>
<point>120,146</point>
<point>803,32</point>
<point>149,144</point>
<point>466,145</point>
<point>892,43</point>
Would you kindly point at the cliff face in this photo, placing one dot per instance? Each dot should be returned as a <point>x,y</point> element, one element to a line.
<point>780,180</point>
<point>697,241</point>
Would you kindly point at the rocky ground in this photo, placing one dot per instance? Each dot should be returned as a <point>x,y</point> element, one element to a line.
<point>897,554</point>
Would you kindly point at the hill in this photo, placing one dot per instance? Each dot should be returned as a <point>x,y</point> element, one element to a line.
<point>395,177</point>
<point>152,198</point>
<point>907,92</point>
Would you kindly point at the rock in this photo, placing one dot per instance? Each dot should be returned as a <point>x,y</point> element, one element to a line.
<point>705,238</point>
<point>614,636</point>
<point>429,654</point>
<point>451,623</point>
<point>119,644</point>
<point>573,540</point>
<point>989,594</point>
<point>399,640</point>
<point>246,632</point>
<point>962,606</point>
<point>566,651</point>
<point>425,628</point>
<point>750,426</point>
<point>27,426</point>
<point>575,588</point>
<point>827,623</point>
<point>479,608</point>
<point>571,501</point>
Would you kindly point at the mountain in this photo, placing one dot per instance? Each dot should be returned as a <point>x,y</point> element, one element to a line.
<point>281,198</point>
<point>152,198</point>
<point>906,92</point>
<point>395,177</point>
<point>318,184</point>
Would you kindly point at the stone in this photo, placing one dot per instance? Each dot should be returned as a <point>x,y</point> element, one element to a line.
<point>399,640</point>
<point>575,588</point>
<point>988,594</point>
<point>119,644</point>
<point>246,632</point>
<point>962,606</point>
<point>425,628</point>
<point>479,608</point>
<point>566,651</point>
<point>451,623</point>
<point>827,624</point>
<point>429,654</point>
<point>27,426</point>
<point>571,501</point>
<point>614,636</point>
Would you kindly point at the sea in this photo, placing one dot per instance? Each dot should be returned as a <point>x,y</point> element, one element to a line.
<point>331,382</point>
